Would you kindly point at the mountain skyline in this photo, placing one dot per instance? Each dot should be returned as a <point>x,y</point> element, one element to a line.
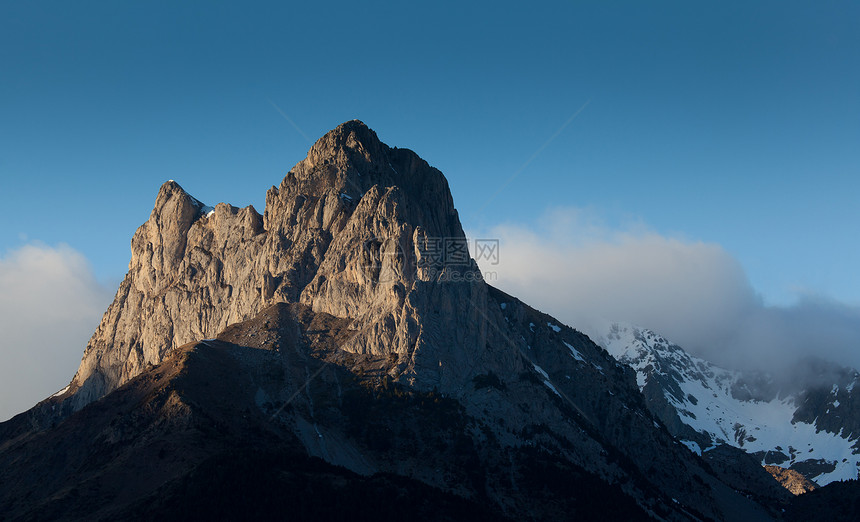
<point>328,341</point>
<point>723,136</point>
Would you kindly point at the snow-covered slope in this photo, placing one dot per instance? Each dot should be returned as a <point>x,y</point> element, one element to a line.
<point>805,424</point>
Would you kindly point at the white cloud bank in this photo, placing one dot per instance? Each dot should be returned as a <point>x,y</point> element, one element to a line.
<point>50,304</point>
<point>694,293</point>
<point>571,266</point>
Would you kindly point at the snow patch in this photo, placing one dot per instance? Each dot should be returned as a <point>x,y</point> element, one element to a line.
<point>540,371</point>
<point>574,352</point>
<point>64,390</point>
<point>704,401</point>
<point>551,387</point>
<point>692,446</point>
<point>554,327</point>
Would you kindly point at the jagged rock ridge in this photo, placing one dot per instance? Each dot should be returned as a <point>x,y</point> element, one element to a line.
<point>344,233</point>
<point>807,422</point>
<point>353,233</point>
<point>236,417</point>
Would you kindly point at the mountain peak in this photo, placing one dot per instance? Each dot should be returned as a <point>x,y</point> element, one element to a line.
<point>354,137</point>
<point>348,162</point>
<point>352,149</point>
<point>356,282</point>
<point>168,190</point>
<point>354,131</point>
<point>353,230</point>
<point>173,199</point>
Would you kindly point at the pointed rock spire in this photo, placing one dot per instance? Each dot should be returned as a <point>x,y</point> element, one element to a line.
<point>354,230</point>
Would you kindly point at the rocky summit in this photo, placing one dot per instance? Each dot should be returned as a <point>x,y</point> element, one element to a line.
<point>340,356</point>
<point>345,233</point>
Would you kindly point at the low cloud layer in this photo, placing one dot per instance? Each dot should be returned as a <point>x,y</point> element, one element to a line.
<point>50,304</point>
<point>693,293</point>
<point>569,265</point>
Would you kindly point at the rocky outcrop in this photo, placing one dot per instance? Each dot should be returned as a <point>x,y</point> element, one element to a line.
<point>232,428</point>
<point>352,230</point>
<point>368,236</point>
<point>791,480</point>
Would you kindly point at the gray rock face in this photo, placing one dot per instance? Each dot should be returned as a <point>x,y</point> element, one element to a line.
<point>351,231</point>
<point>369,235</point>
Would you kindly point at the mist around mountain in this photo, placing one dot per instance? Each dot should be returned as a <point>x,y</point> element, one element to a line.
<point>339,355</point>
<point>591,270</point>
<point>806,420</point>
<point>39,285</point>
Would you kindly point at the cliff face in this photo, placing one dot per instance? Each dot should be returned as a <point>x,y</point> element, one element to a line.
<point>353,230</point>
<point>367,237</point>
<point>232,428</point>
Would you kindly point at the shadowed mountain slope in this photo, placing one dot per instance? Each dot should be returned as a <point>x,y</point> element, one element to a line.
<point>358,349</point>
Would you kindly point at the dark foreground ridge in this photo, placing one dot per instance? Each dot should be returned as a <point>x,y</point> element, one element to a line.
<point>203,434</point>
<point>325,359</point>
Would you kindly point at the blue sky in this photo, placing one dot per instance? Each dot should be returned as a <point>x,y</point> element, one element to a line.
<point>733,124</point>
